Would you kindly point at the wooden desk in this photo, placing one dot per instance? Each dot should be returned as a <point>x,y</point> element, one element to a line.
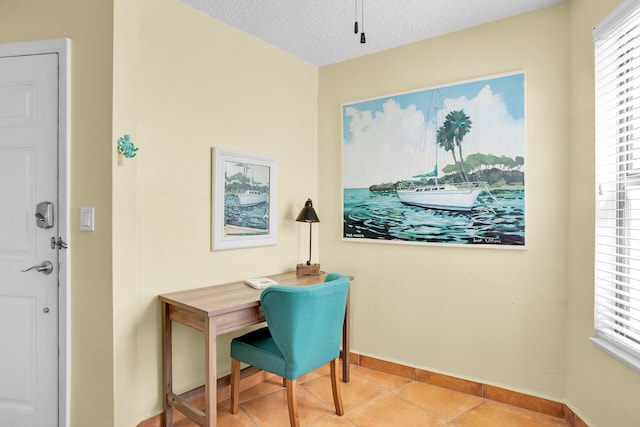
<point>216,310</point>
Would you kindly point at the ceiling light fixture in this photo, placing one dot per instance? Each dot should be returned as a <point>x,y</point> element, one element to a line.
<point>355,25</point>
<point>363,39</point>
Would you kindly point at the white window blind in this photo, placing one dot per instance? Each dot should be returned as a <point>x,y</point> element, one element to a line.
<point>617,240</point>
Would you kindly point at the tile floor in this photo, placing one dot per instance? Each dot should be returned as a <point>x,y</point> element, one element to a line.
<point>372,399</point>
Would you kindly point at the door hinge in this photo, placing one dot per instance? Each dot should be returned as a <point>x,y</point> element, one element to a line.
<point>59,243</point>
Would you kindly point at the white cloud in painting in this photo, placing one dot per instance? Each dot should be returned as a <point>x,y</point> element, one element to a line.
<point>493,129</point>
<point>385,144</point>
<point>381,144</point>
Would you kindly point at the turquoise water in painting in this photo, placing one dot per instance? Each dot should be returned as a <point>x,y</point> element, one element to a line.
<point>498,218</point>
<point>255,217</point>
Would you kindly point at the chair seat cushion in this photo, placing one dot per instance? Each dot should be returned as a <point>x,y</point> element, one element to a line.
<point>257,348</point>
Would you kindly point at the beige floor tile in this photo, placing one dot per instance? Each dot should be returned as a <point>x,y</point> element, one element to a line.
<point>227,419</point>
<point>271,410</point>
<point>354,392</point>
<point>443,402</point>
<point>321,388</point>
<point>224,419</point>
<point>387,381</point>
<point>333,421</point>
<point>271,385</point>
<point>391,410</point>
<point>490,414</point>
<point>323,370</point>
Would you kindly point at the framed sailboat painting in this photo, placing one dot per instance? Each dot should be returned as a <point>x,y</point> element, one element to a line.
<point>244,195</point>
<point>444,165</point>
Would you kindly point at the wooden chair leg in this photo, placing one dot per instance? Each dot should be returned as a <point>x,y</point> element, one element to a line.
<point>235,385</point>
<point>292,402</point>
<point>335,387</point>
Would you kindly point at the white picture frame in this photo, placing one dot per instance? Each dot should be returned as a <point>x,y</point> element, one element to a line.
<point>244,200</point>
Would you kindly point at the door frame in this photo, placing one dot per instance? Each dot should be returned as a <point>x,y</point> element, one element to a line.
<point>61,47</point>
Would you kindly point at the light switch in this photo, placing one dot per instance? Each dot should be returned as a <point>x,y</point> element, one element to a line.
<point>86,219</point>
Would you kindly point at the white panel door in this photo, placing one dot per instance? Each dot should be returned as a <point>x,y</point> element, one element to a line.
<point>28,300</point>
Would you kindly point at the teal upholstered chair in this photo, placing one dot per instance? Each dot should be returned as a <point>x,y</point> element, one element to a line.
<point>304,330</point>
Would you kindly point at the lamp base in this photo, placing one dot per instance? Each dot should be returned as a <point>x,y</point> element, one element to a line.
<point>308,270</point>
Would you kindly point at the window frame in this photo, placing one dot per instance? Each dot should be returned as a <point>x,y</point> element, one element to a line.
<point>616,269</point>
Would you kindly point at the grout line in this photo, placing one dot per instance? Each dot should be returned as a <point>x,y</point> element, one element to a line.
<point>467,411</point>
<point>369,400</point>
<point>246,414</point>
<point>421,407</point>
<point>317,398</point>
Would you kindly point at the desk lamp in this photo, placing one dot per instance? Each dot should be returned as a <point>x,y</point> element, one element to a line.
<point>308,214</point>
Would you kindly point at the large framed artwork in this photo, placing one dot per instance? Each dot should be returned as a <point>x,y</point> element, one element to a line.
<point>244,195</point>
<point>444,165</point>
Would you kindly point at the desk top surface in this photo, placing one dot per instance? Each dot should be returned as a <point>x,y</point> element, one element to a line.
<point>220,299</point>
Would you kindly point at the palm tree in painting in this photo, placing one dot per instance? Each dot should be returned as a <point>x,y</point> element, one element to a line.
<point>445,140</point>
<point>457,124</point>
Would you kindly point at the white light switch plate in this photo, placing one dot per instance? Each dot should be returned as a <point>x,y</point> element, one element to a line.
<point>86,219</point>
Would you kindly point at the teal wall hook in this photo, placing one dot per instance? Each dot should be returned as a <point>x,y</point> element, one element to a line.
<point>126,148</point>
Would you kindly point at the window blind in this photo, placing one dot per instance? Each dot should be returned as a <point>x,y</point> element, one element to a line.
<point>617,239</point>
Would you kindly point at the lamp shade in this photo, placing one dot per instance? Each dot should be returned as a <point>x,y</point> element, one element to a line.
<point>308,214</point>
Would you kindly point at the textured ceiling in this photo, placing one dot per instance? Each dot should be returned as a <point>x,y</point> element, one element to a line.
<point>321,31</point>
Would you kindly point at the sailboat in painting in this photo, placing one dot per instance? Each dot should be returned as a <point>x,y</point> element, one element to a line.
<point>252,198</point>
<point>447,197</point>
<point>462,196</point>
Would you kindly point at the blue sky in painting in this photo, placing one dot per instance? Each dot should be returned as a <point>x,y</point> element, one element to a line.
<point>391,138</point>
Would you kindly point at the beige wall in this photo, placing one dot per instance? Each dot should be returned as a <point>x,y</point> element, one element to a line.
<point>514,318</point>
<point>199,83</point>
<point>89,26</point>
<point>126,237</point>
<point>602,390</point>
<point>490,315</point>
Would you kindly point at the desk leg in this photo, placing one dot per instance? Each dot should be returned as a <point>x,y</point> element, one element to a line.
<point>346,328</point>
<point>167,379</point>
<point>210,385</point>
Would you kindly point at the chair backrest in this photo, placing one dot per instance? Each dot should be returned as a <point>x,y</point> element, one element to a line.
<point>306,322</point>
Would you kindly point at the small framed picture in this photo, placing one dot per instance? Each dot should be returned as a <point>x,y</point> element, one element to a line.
<point>244,199</point>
